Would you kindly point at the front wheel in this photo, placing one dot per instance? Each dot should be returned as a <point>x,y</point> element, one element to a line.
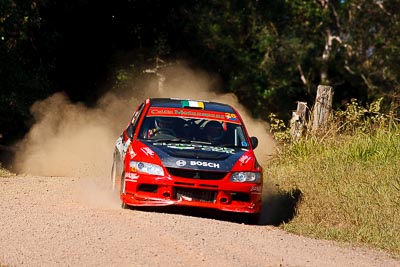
<point>116,173</point>
<point>122,191</point>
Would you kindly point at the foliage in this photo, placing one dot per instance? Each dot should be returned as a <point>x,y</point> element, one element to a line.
<point>370,30</point>
<point>273,54</point>
<point>23,67</point>
<point>5,172</point>
<point>353,118</point>
<point>270,54</point>
<point>278,129</point>
<point>348,179</point>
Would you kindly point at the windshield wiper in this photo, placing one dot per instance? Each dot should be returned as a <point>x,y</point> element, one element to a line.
<point>231,146</point>
<point>200,142</point>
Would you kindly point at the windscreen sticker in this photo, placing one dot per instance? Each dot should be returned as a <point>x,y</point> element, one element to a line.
<point>198,147</point>
<point>192,104</point>
<point>231,116</point>
<point>190,113</point>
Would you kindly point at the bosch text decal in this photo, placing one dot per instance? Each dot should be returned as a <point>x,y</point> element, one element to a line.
<point>204,164</point>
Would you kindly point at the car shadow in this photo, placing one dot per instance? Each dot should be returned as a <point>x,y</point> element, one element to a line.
<point>280,206</point>
<point>277,208</point>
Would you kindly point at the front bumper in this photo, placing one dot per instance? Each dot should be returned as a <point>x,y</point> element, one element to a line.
<point>147,190</point>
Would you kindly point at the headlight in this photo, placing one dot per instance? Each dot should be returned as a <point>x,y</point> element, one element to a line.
<point>241,177</point>
<point>144,167</point>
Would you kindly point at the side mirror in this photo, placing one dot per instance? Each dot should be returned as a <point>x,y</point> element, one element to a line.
<point>130,130</point>
<point>254,141</point>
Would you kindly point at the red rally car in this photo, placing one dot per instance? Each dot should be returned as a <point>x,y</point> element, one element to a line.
<point>187,153</point>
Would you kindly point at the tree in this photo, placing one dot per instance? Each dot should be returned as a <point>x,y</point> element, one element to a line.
<point>274,53</point>
<point>22,70</point>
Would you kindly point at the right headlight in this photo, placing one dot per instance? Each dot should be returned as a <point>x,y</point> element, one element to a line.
<point>241,177</point>
<point>144,167</point>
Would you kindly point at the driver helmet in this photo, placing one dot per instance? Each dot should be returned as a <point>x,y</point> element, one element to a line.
<point>164,123</point>
<point>214,131</point>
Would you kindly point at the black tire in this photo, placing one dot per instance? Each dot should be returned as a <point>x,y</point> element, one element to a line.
<point>118,178</point>
<point>122,190</point>
<point>116,172</point>
<point>124,206</point>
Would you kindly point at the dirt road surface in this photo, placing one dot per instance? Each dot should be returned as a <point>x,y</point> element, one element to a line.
<point>64,221</point>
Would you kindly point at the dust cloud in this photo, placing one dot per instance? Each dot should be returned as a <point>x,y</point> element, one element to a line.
<point>70,139</point>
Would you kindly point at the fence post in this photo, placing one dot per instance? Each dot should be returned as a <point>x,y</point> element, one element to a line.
<point>298,121</point>
<point>322,107</point>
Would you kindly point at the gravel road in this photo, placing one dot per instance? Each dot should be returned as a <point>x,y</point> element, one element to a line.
<point>65,221</point>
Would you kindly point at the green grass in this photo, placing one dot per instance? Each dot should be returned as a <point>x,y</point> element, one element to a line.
<point>350,187</point>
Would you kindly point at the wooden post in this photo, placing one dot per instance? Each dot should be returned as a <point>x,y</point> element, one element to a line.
<point>161,77</point>
<point>322,108</point>
<point>298,121</point>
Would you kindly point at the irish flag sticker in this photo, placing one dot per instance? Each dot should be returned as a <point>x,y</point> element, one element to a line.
<point>192,104</point>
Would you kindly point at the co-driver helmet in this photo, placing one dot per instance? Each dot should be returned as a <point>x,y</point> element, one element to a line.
<point>214,131</point>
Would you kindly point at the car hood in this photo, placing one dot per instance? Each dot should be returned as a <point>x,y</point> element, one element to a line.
<point>196,156</point>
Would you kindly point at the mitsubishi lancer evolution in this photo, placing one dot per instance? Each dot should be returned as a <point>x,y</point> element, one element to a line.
<point>187,153</point>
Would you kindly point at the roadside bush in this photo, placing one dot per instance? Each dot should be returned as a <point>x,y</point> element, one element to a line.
<point>348,178</point>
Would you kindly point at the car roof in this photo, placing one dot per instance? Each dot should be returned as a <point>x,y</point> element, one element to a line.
<point>178,103</point>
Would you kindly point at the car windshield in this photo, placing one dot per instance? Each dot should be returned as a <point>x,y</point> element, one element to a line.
<point>193,130</point>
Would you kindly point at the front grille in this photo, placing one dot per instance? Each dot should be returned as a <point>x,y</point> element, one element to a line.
<point>191,194</point>
<point>196,174</point>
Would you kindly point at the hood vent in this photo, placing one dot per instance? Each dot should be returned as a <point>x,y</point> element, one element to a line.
<point>198,154</point>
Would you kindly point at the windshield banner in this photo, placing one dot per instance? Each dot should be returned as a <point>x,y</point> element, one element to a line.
<point>196,114</point>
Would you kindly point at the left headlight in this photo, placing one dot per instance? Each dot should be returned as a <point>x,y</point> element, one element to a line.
<point>241,177</point>
<point>144,167</point>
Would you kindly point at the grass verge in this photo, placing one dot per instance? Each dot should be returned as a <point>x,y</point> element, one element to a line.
<point>349,184</point>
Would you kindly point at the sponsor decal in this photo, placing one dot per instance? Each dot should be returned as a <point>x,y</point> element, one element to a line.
<point>158,111</point>
<point>148,151</point>
<point>200,114</point>
<point>131,152</point>
<point>118,144</point>
<point>244,159</point>
<point>180,163</point>
<point>231,116</point>
<point>125,148</point>
<point>204,164</point>
<point>131,177</point>
<point>218,149</point>
<point>256,188</point>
